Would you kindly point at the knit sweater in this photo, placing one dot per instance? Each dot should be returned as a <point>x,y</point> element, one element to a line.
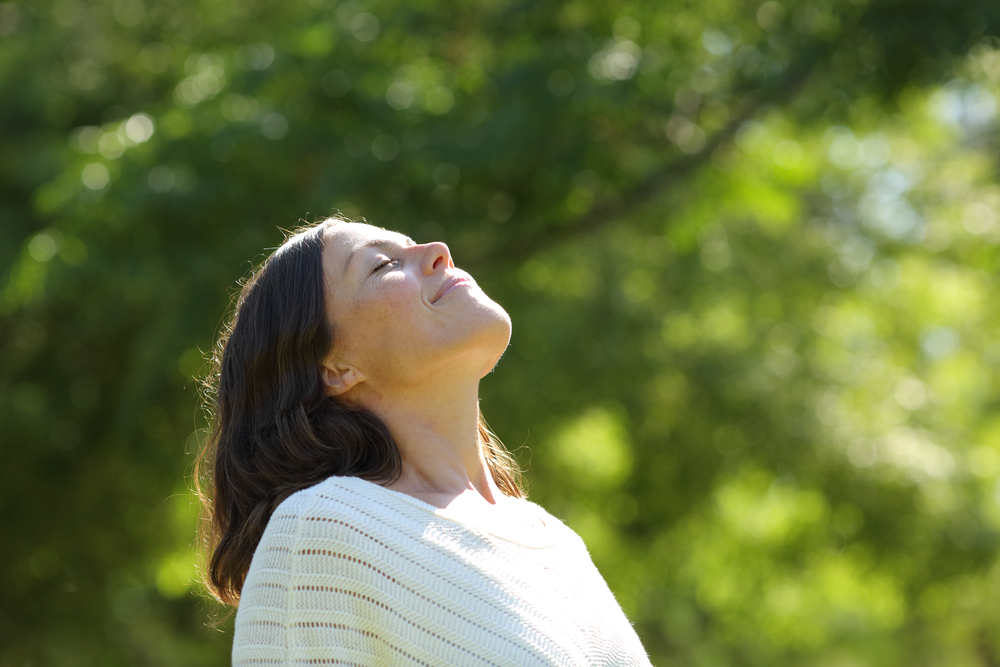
<point>350,573</point>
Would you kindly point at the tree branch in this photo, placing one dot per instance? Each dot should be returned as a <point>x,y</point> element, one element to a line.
<point>671,175</point>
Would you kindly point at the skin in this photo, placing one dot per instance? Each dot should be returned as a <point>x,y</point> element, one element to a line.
<point>414,356</point>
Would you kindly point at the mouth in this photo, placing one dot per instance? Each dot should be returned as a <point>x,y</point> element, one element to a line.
<point>449,284</point>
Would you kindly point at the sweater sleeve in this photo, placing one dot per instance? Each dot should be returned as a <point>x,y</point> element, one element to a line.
<point>309,595</point>
<point>261,633</point>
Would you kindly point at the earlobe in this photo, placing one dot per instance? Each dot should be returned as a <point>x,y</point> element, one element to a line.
<point>339,378</point>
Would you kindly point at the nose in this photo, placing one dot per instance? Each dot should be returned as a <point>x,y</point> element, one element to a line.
<point>436,257</point>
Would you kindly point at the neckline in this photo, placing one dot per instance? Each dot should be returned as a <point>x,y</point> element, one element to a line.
<point>535,538</point>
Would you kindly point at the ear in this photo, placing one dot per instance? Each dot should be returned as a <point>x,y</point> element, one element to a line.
<point>339,377</point>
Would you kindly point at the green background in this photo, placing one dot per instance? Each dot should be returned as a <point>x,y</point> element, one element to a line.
<point>750,251</point>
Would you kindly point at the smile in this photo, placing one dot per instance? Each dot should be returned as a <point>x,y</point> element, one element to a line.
<point>450,284</point>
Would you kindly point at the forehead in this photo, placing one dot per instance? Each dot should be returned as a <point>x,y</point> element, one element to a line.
<point>344,239</point>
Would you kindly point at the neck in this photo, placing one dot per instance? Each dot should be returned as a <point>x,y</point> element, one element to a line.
<point>438,439</point>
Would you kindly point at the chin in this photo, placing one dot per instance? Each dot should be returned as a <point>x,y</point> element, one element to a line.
<point>499,337</point>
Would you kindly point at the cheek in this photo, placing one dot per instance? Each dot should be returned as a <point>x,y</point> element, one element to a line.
<point>386,321</point>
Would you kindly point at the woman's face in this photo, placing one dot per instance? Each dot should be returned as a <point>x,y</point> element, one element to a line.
<point>402,314</point>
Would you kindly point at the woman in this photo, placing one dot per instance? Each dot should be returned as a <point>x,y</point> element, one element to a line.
<point>360,512</point>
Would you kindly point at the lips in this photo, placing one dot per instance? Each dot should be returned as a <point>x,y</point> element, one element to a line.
<point>446,286</point>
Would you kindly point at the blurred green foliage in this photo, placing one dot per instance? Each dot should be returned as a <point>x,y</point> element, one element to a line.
<point>750,251</point>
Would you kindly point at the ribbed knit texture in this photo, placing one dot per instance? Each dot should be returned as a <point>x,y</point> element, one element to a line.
<point>349,573</point>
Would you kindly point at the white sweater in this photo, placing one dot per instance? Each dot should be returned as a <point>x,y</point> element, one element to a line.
<point>349,573</point>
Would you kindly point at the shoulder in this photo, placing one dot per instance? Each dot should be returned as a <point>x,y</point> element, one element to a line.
<point>335,515</point>
<point>348,516</point>
<point>326,563</point>
<point>332,492</point>
<point>353,497</point>
<point>343,528</point>
<point>564,538</point>
<point>551,521</point>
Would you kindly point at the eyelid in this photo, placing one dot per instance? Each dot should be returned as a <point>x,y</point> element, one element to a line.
<point>382,259</point>
<point>382,262</point>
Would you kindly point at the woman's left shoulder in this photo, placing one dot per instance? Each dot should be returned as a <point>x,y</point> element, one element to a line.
<point>550,521</point>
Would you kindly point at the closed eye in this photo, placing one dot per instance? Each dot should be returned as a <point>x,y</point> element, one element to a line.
<point>382,264</point>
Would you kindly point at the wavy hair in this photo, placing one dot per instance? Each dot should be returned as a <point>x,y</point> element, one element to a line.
<point>275,431</point>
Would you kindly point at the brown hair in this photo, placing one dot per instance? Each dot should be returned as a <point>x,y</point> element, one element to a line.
<point>275,430</point>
